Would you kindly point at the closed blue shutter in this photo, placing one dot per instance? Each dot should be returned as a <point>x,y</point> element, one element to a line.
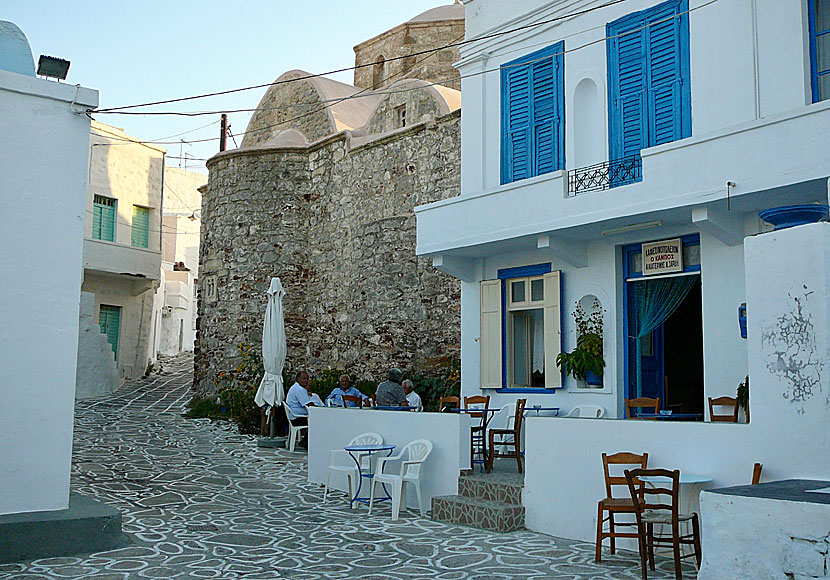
<point>516,147</point>
<point>648,79</point>
<point>819,13</point>
<point>141,227</point>
<point>103,218</point>
<point>533,102</point>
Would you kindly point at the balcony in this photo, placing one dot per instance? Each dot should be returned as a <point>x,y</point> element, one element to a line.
<point>112,258</point>
<point>605,175</point>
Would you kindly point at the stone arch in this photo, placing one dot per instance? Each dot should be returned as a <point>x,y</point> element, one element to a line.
<point>378,71</point>
<point>588,121</point>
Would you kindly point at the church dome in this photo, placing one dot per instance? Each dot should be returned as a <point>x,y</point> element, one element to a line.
<point>454,11</point>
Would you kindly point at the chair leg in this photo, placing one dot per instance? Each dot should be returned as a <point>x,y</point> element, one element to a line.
<point>421,508</point>
<point>326,491</point>
<point>696,539</point>
<point>492,455</point>
<point>292,438</point>
<point>598,556</point>
<point>371,495</point>
<point>650,544</point>
<point>611,531</point>
<point>642,545</point>
<point>516,444</point>
<point>396,498</point>
<point>675,545</point>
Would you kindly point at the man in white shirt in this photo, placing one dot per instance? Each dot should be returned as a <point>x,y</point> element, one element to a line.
<point>413,398</point>
<point>300,398</point>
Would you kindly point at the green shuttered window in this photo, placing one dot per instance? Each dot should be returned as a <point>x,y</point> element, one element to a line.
<point>141,227</point>
<point>103,218</point>
<point>533,114</point>
<point>648,79</point>
<point>109,319</point>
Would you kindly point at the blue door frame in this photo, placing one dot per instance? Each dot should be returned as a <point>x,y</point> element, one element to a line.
<point>653,365</point>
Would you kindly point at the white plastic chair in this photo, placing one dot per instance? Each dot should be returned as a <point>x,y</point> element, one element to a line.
<point>587,411</point>
<point>293,430</point>
<point>341,462</point>
<point>416,453</point>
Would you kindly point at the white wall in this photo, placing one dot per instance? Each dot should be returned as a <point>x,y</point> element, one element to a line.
<point>44,167</point>
<point>331,428</point>
<point>789,437</point>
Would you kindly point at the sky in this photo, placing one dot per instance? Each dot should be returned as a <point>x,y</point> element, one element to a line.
<point>150,50</point>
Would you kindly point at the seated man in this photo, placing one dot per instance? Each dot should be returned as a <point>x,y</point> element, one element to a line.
<point>390,392</point>
<point>300,398</point>
<point>413,398</point>
<point>345,388</point>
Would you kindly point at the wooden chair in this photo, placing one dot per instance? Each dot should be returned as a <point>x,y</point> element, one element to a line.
<point>756,473</point>
<point>641,403</point>
<point>372,402</point>
<point>449,403</point>
<point>510,437</point>
<point>358,401</point>
<point>616,505</point>
<point>478,433</point>
<point>650,508</point>
<point>723,402</point>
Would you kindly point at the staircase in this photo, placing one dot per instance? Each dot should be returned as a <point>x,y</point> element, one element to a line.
<point>491,501</point>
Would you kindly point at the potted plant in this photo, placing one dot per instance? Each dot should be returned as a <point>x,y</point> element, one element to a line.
<point>742,396</point>
<point>585,362</point>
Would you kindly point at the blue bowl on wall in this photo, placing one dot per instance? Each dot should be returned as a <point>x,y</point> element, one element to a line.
<point>788,216</point>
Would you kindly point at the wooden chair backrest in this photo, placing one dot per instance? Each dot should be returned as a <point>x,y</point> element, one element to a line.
<point>373,401</point>
<point>641,402</point>
<point>653,496</point>
<point>358,401</point>
<point>723,402</point>
<point>756,473</point>
<point>517,419</point>
<point>618,459</point>
<point>450,402</point>
<point>480,400</point>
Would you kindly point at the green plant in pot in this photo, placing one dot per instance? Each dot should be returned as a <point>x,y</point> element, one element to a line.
<point>585,362</point>
<point>742,396</point>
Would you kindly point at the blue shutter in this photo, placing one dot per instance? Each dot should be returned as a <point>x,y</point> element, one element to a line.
<point>103,218</point>
<point>665,77</point>
<point>109,320</point>
<point>515,123</point>
<point>819,16</point>
<point>141,227</point>
<point>648,79</point>
<point>533,103</point>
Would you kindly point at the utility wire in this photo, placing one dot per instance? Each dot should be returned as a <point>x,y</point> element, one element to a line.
<point>346,69</point>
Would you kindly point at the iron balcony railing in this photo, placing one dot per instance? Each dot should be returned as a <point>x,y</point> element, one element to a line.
<point>605,175</point>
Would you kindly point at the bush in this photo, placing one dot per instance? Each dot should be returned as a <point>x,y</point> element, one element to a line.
<point>431,389</point>
<point>238,387</point>
<point>199,408</point>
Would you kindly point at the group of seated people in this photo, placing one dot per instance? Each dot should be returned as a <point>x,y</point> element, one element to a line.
<point>393,392</point>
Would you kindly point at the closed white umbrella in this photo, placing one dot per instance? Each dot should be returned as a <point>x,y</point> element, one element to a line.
<point>270,392</point>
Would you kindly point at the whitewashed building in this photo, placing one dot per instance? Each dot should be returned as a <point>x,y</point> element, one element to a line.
<point>590,133</point>
<point>43,163</point>
<point>122,258</point>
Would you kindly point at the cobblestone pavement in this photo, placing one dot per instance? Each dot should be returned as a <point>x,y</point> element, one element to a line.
<point>201,501</point>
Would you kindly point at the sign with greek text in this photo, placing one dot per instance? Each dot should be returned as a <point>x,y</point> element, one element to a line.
<point>663,257</point>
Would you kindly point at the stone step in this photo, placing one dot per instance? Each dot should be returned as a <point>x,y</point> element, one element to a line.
<point>479,513</point>
<point>503,487</point>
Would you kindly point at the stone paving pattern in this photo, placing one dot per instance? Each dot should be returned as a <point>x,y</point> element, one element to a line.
<point>201,501</point>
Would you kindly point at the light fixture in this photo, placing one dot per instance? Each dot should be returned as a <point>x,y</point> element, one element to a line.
<point>53,67</point>
<point>193,217</point>
<point>632,228</point>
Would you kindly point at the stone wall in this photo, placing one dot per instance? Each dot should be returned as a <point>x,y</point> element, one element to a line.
<point>407,41</point>
<point>337,226</point>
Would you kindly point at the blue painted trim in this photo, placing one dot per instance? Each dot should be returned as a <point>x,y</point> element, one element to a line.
<point>505,274</point>
<point>636,20</point>
<point>557,53</point>
<point>537,391</point>
<point>627,251</point>
<point>814,34</point>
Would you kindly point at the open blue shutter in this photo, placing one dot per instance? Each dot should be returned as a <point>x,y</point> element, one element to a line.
<point>516,123</point>
<point>628,89</point>
<point>665,77</point>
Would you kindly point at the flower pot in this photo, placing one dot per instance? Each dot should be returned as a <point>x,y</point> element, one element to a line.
<point>794,215</point>
<point>593,379</point>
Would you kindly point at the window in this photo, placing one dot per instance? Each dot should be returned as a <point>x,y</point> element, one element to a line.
<point>400,116</point>
<point>103,218</point>
<point>819,13</point>
<point>141,227</point>
<point>109,319</point>
<point>521,329</point>
<point>377,72</point>
<point>648,79</point>
<point>533,114</point>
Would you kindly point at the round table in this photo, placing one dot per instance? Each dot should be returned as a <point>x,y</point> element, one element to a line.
<point>358,451</point>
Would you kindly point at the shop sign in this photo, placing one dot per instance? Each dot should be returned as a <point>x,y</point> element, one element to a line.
<point>663,257</point>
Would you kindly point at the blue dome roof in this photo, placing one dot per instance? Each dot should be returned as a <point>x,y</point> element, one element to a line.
<point>15,52</point>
